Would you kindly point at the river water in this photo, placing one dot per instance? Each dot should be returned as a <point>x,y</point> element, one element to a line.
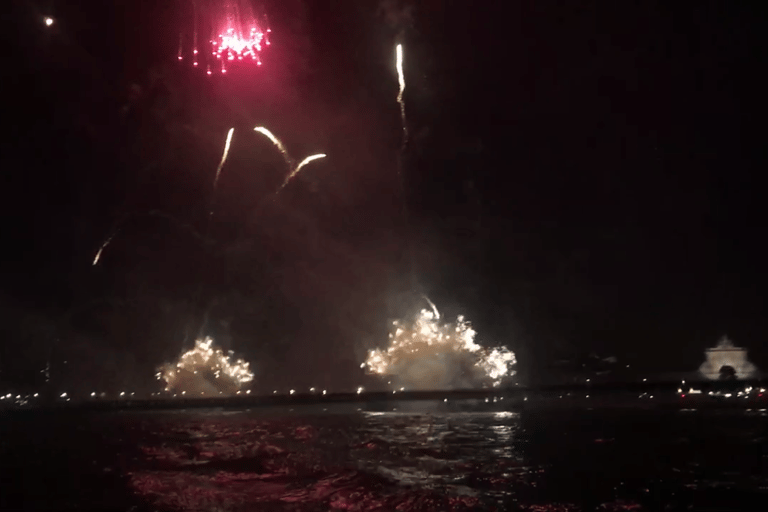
<point>341,458</point>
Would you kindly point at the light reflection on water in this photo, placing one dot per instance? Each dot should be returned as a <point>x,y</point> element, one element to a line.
<point>443,452</point>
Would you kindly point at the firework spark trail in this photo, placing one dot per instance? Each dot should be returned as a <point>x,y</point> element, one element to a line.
<point>293,171</point>
<point>298,168</point>
<point>277,143</point>
<point>432,305</point>
<point>101,249</point>
<point>223,157</point>
<point>218,171</point>
<point>400,162</point>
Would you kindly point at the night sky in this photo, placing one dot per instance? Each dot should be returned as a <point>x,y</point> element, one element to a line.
<point>581,176</point>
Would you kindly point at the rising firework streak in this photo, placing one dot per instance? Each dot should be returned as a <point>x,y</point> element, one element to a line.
<point>400,100</point>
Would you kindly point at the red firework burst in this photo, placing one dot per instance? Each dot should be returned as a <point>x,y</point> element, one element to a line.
<point>237,35</point>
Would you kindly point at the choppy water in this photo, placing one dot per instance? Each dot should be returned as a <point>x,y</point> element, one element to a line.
<point>313,459</point>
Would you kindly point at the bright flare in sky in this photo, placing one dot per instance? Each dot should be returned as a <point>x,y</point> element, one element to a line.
<point>428,355</point>
<point>205,371</point>
<point>48,21</point>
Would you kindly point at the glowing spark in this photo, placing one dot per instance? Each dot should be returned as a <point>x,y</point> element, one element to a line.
<point>205,369</point>
<point>101,249</point>
<point>427,355</point>
<point>48,21</point>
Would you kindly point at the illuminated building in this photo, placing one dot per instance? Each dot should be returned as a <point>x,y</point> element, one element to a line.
<point>725,355</point>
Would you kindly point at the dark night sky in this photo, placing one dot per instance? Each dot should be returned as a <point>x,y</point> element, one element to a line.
<point>581,176</point>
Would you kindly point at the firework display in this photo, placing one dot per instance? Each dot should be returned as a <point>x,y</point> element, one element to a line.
<point>205,371</point>
<point>429,355</point>
<point>237,35</point>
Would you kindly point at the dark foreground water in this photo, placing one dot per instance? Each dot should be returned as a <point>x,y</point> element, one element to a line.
<point>343,459</point>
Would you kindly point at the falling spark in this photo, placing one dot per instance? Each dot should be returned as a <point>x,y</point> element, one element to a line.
<point>428,355</point>
<point>101,249</point>
<point>205,369</point>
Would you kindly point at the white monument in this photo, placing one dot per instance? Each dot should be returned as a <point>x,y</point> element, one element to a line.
<point>726,354</point>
